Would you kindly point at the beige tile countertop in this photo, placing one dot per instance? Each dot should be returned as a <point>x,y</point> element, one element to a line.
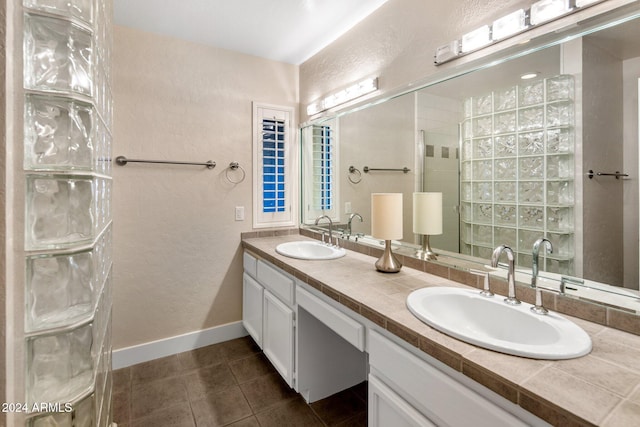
<point>602,388</point>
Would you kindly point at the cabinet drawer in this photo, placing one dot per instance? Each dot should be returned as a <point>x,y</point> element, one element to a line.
<point>250,264</point>
<point>340,323</point>
<point>280,284</point>
<point>434,393</point>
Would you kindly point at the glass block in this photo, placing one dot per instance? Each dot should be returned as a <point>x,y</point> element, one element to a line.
<point>465,211</point>
<point>60,290</point>
<point>465,171</point>
<point>560,167</point>
<point>505,145</point>
<point>559,218</point>
<point>482,148</point>
<point>57,419</point>
<point>559,114</point>
<point>465,191</point>
<point>506,168</point>
<point>505,99</point>
<point>483,234</point>
<point>467,129</point>
<point>482,169</point>
<point>465,249</point>
<point>58,133</point>
<point>531,192</point>
<point>530,118</point>
<point>482,126</point>
<point>482,252</point>
<point>59,211</point>
<point>504,122</point>
<point>531,143</point>
<point>467,150</point>
<point>504,191</point>
<point>80,9</point>
<point>560,140</point>
<point>84,415</point>
<point>526,239</point>
<point>505,236</point>
<point>482,191</point>
<point>506,215</point>
<point>482,212</point>
<point>57,56</point>
<point>531,216</point>
<point>465,232</point>
<point>531,167</point>
<point>560,193</point>
<point>467,105</point>
<point>527,259</point>
<point>560,88</point>
<point>482,104</point>
<point>562,244</point>
<point>531,93</point>
<point>565,267</point>
<point>59,367</point>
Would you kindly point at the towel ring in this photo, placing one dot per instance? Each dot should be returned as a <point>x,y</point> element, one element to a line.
<point>232,167</point>
<point>353,170</point>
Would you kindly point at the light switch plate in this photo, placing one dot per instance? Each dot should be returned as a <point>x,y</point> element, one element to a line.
<point>239,213</point>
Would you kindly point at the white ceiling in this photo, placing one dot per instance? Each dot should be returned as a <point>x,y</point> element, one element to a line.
<point>289,31</point>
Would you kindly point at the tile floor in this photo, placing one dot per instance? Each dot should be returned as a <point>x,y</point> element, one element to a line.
<point>226,384</point>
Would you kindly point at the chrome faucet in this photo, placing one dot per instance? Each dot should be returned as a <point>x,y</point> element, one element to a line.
<point>511,297</point>
<point>330,227</point>
<point>349,222</point>
<point>538,307</point>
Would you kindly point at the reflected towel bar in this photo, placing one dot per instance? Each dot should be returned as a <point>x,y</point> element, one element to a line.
<point>122,161</point>
<point>616,174</point>
<point>367,169</point>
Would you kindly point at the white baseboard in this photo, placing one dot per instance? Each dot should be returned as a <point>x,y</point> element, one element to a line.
<point>128,356</point>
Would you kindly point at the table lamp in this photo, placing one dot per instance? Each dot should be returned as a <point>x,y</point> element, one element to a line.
<point>386,224</point>
<point>427,220</point>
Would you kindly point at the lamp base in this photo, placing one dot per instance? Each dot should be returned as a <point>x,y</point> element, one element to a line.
<point>426,252</point>
<point>388,263</point>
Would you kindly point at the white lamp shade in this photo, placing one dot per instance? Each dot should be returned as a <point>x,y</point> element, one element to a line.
<point>386,215</point>
<point>427,213</point>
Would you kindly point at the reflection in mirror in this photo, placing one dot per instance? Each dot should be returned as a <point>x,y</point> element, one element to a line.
<point>511,158</point>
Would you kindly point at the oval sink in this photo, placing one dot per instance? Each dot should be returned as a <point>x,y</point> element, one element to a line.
<point>306,249</point>
<point>490,323</point>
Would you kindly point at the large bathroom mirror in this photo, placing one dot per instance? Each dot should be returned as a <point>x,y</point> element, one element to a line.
<point>554,155</point>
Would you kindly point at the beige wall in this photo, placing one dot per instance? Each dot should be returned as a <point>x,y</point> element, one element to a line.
<point>177,255</point>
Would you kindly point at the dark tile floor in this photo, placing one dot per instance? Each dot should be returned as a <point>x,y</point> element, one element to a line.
<point>226,384</point>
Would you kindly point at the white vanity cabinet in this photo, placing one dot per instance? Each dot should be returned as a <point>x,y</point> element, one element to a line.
<point>268,313</point>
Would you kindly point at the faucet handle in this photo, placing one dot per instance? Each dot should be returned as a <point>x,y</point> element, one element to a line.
<point>486,292</point>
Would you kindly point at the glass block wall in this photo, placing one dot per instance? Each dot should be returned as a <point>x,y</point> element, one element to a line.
<point>516,172</point>
<point>66,46</point>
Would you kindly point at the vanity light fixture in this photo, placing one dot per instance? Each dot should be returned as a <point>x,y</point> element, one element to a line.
<point>509,25</point>
<point>476,39</point>
<point>345,95</point>
<point>546,10</point>
<point>539,12</point>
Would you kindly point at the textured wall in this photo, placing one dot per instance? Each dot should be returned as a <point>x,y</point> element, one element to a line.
<point>396,43</point>
<point>177,254</point>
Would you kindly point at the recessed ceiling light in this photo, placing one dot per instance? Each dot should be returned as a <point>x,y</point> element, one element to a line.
<point>528,76</point>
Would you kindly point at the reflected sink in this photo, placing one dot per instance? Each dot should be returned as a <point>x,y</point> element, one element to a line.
<point>490,323</point>
<point>307,249</point>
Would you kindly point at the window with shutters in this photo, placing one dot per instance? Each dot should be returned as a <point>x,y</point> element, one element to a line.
<point>273,163</point>
<point>321,168</point>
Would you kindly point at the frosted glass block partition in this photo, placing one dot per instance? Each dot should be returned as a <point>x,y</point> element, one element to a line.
<point>68,109</point>
<point>517,171</point>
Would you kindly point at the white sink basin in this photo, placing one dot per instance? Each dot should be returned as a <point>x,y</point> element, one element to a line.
<point>306,249</point>
<point>492,324</point>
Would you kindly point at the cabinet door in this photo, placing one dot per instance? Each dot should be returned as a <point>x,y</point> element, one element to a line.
<point>252,307</point>
<point>278,333</point>
<point>388,409</point>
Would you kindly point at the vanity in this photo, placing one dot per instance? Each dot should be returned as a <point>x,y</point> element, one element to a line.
<point>328,325</point>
